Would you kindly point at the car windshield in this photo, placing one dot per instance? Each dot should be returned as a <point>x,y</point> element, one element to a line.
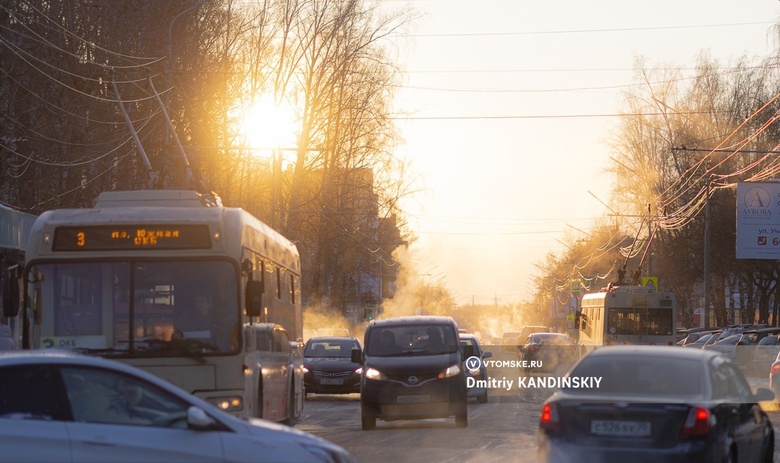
<point>733,339</point>
<point>630,375</point>
<point>701,340</point>
<point>330,348</point>
<point>412,340</point>
<point>550,338</point>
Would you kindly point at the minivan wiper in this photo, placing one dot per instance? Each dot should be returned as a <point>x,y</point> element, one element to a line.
<point>413,351</point>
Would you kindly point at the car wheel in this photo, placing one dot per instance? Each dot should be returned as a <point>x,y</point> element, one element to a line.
<point>482,398</point>
<point>462,421</point>
<point>290,421</point>
<point>367,422</point>
<point>259,407</point>
<point>768,451</point>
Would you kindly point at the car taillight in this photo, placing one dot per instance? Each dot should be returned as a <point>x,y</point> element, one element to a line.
<point>697,423</point>
<point>549,419</point>
<point>532,349</point>
<point>775,368</point>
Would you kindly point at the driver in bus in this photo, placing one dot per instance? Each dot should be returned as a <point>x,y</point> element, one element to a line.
<point>198,323</point>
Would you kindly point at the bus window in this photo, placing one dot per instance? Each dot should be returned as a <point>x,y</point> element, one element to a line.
<point>278,283</point>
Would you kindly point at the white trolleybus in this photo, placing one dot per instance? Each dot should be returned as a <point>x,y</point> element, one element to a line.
<point>627,315</point>
<point>14,229</point>
<point>204,296</point>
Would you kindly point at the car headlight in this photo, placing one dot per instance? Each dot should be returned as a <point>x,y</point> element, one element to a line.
<point>359,371</point>
<point>228,404</point>
<point>375,374</point>
<point>305,370</point>
<point>452,370</point>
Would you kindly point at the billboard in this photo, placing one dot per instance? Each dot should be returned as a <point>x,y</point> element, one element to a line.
<point>758,220</point>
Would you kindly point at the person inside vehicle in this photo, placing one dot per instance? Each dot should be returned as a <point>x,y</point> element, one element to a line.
<point>434,342</point>
<point>387,344</point>
<point>197,323</point>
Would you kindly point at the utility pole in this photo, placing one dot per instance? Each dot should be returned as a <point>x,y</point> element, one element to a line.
<point>707,253</point>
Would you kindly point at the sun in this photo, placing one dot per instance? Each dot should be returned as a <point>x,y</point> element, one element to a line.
<point>267,126</point>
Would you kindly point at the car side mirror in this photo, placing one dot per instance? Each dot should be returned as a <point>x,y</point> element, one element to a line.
<point>764,395</point>
<point>487,355</point>
<point>357,356</point>
<point>198,419</point>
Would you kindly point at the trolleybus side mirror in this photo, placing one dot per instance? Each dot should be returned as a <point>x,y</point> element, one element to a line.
<point>9,288</point>
<point>254,298</point>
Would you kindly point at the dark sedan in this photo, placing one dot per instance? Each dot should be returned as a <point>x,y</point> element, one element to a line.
<point>327,365</point>
<point>547,353</point>
<point>656,403</point>
<point>475,366</point>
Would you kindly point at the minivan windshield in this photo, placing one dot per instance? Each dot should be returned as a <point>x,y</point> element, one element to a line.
<point>408,340</point>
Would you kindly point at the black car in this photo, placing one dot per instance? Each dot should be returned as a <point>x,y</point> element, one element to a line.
<point>472,352</point>
<point>412,369</point>
<point>328,367</point>
<point>655,403</point>
<point>547,353</point>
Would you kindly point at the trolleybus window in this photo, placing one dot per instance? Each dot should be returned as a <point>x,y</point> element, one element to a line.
<point>144,303</point>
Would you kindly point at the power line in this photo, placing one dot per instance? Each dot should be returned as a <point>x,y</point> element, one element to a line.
<point>589,31</point>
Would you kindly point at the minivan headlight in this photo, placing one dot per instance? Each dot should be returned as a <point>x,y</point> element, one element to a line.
<point>373,373</point>
<point>452,370</point>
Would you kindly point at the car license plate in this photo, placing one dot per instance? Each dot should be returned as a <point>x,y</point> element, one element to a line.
<point>331,381</point>
<point>620,428</point>
<point>413,399</point>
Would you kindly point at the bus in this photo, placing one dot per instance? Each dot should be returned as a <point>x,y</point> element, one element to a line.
<point>627,315</point>
<point>15,227</point>
<point>174,283</point>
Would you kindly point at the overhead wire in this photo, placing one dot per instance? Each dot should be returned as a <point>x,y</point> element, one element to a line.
<point>57,26</point>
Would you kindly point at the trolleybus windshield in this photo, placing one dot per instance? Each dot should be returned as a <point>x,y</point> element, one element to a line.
<point>137,308</point>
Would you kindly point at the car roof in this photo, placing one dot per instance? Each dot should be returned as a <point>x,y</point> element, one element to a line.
<point>775,329</point>
<point>332,338</point>
<point>414,320</point>
<point>468,336</point>
<point>546,334</point>
<point>659,351</point>
<point>65,357</point>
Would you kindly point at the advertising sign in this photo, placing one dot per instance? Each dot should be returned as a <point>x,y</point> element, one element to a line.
<point>758,220</point>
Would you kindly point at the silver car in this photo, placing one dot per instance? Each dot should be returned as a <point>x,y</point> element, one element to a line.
<point>63,407</point>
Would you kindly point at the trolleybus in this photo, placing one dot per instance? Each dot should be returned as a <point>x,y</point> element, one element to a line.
<point>627,315</point>
<point>174,284</point>
<point>15,227</point>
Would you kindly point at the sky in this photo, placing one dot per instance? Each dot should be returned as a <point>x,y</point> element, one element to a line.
<point>506,109</point>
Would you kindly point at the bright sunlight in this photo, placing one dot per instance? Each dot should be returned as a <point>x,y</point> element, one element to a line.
<point>267,126</point>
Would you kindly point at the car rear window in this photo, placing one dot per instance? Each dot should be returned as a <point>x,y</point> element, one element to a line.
<point>643,376</point>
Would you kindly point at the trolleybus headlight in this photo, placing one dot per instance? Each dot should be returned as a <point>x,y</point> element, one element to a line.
<point>228,404</point>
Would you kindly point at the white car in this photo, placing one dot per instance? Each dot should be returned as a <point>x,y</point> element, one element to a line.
<point>64,407</point>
